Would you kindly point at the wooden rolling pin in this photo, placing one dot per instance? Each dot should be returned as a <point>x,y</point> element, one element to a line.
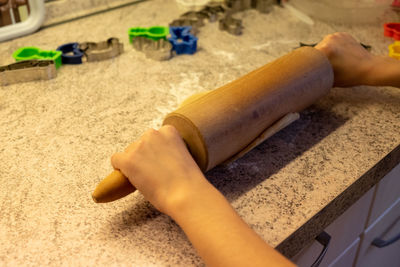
<point>220,124</point>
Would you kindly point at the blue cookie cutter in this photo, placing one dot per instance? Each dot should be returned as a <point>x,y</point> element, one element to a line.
<point>67,49</point>
<point>183,42</point>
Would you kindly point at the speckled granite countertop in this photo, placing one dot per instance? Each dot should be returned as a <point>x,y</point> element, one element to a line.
<point>57,137</point>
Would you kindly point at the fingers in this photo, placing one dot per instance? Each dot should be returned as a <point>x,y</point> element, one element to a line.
<point>131,147</point>
<point>151,142</point>
<point>118,160</point>
<point>172,133</point>
<point>339,38</point>
<point>135,144</point>
<point>169,129</point>
<point>327,45</point>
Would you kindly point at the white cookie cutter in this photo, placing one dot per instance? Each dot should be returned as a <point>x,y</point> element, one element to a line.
<point>31,24</point>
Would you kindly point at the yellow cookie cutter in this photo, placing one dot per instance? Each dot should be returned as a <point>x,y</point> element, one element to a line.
<point>394,50</point>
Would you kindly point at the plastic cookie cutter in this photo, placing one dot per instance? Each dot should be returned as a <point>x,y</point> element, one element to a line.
<point>102,50</point>
<point>154,33</point>
<point>29,53</point>
<point>231,25</point>
<point>396,4</point>
<point>28,70</point>
<point>183,42</point>
<point>71,54</point>
<point>392,30</point>
<point>394,50</point>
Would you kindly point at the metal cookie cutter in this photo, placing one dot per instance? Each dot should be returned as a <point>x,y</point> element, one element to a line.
<point>71,54</point>
<point>231,25</point>
<point>182,22</point>
<point>151,41</point>
<point>195,15</point>
<point>28,70</point>
<point>183,42</point>
<point>158,50</point>
<point>140,42</point>
<point>28,53</point>
<point>264,6</point>
<point>213,11</point>
<point>102,50</point>
<point>192,19</point>
<point>239,5</point>
<point>195,19</point>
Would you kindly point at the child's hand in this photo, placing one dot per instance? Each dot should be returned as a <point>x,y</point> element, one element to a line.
<point>350,61</point>
<point>160,167</point>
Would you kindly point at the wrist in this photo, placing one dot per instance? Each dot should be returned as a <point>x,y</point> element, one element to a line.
<point>384,71</point>
<point>187,195</point>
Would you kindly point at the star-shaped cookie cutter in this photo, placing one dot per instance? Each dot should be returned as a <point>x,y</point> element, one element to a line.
<point>183,42</point>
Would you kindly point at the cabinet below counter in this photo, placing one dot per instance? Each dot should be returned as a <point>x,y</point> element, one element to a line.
<point>375,216</point>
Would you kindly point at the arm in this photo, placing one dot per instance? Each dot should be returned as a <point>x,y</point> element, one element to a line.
<point>160,166</point>
<point>385,72</point>
<point>353,65</point>
<point>219,235</point>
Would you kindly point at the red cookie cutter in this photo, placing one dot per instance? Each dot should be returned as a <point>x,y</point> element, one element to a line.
<point>396,3</point>
<point>392,30</point>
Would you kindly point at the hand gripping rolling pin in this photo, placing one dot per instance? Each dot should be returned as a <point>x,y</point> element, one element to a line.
<point>220,124</point>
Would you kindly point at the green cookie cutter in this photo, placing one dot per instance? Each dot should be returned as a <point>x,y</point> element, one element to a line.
<point>28,53</point>
<point>154,33</point>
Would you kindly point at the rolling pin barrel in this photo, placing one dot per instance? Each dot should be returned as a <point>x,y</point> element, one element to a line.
<point>221,123</point>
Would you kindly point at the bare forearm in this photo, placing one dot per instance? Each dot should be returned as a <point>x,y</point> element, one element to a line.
<point>385,72</point>
<point>219,235</point>
<point>177,187</point>
<point>353,65</point>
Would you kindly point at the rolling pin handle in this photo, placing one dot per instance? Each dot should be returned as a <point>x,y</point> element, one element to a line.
<point>113,187</point>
